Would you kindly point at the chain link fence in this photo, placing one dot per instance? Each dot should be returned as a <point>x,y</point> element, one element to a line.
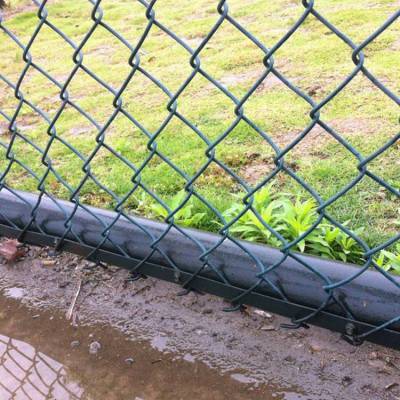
<point>362,302</point>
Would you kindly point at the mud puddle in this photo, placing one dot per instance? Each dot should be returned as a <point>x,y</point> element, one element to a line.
<point>42,356</point>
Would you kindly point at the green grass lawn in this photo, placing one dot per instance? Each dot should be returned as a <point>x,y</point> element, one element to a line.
<point>313,59</point>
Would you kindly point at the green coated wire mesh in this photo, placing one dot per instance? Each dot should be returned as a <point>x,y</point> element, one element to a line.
<point>122,106</point>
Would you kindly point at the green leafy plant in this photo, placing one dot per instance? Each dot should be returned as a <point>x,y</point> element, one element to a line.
<point>329,241</point>
<point>187,216</point>
<point>292,219</point>
<point>249,226</point>
<point>389,261</point>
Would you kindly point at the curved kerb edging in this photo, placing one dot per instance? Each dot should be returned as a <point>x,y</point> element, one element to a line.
<point>371,297</point>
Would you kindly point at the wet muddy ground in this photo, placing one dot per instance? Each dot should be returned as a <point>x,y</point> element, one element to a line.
<point>45,357</point>
<point>155,344</point>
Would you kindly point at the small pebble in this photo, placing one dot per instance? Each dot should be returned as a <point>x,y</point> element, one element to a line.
<point>290,359</point>
<point>129,360</point>
<point>263,314</point>
<point>268,328</point>
<point>347,380</point>
<point>75,343</point>
<point>391,385</point>
<point>48,263</point>
<point>315,347</point>
<point>94,347</point>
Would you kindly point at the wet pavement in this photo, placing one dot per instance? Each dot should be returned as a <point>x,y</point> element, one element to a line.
<point>43,356</point>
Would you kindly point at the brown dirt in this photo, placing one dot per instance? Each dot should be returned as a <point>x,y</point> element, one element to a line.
<point>315,361</point>
<point>356,126</point>
<point>81,129</point>
<point>256,172</point>
<point>311,146</point>
<point>10,10</point>
<point>396,44</point>
<point>4,127</point>
<point>239,78</point>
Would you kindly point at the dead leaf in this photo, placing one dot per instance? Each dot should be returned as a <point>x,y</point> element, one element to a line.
<point>11,250</point>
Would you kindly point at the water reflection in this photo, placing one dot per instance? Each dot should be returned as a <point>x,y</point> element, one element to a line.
<point>27,374</point>
<point>121,370</point>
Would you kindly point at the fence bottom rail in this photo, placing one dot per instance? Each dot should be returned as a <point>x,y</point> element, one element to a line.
<point>371,299</point>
